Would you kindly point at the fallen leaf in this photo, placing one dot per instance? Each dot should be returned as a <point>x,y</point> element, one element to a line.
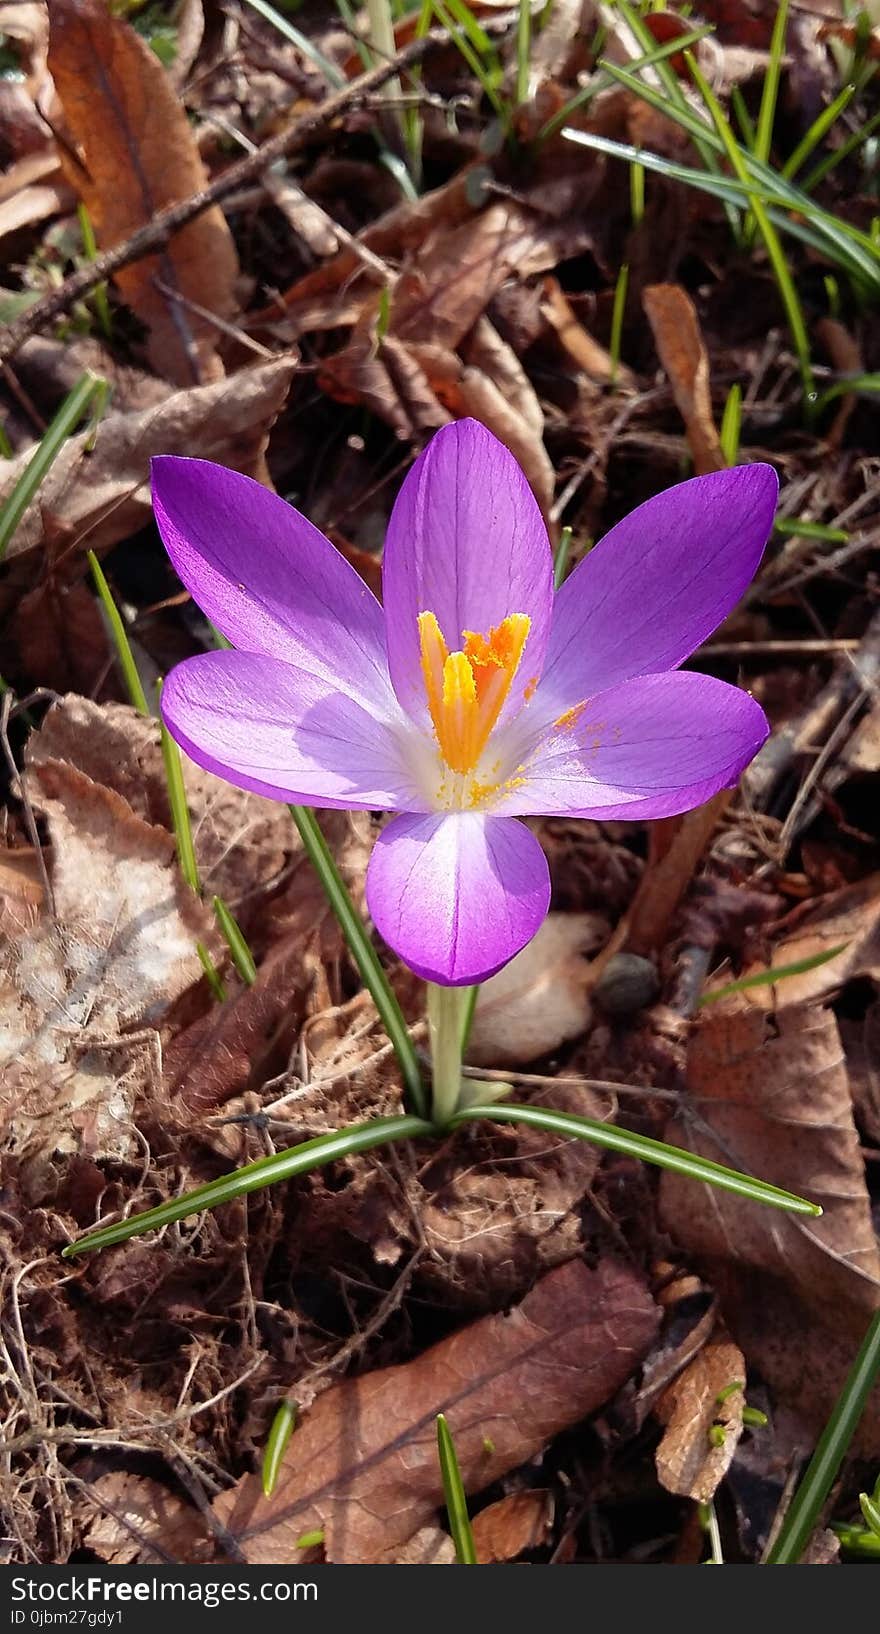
<point>363,1465</point>
<point>591,358</point>
<point>771,1097</point>
<point>241,840</point>
<point>21,891</point>
<point>140,1523</point>
<point>677,846</point>
<point>689,1460</point>
<point>677,335</point>
<point>518,1522</point>
<point>849,919</point>
<point>137,153</point>
<point>540,999</point>
<point>100,493</point>
<point>118,948</point>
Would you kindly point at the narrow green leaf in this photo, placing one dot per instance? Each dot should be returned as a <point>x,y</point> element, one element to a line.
<point>871,1511</point>
<point>242,956</point>
<point>617,314</point>
<point>214,979</point>
<point>454,1493</point>
<point>730,424</point>
<point>467,1015</point>
<point>861,385</point>
<point>640,1146</point>
<point>856,1540</point>
<point>770,88</point>
<point>266,1171</point>
<point>819,128</point>
<point>769,978</point>
<point>560,560</point>
<point>99,293</point>
<point>75,405</point>
<point>523,49</point>
<point>806,1507</point>
<point>282,1428</point>
<point>186,851</point>
<point>133,684</point>
<point>363,953</point>
<point>797,527</point>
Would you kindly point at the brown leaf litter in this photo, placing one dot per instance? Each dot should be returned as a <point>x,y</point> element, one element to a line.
<point>363,1465</point>
<point>133,152</point>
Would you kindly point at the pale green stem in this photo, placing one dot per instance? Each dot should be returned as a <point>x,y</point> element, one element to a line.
<point>448,1014</point>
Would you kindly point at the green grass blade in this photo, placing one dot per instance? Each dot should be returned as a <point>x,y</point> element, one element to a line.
<point>363,953</point>
<point>98,296</point>
<point>809,1500</point>
<point>266,1171</point>
<point>731,421</point>
<point>819,128</point>
<point>775,254</point>
<point>241,954</point>
<point>133,684</point>
<point>523,50</point>
<point>770,89</point>
<point>798,527</point>
<point>643,1147</point>
<point>560,559</point>
<point>186,851</point>
<point>282,1428</point>
<point>75,405</point>
<point>769,977</point>
<point>831,160</point>
<point>333,75</point>
<point>454,1493</point>
<point>212,974</point>
<point>864,385</point>
<point>617,313</point>
<point>599,79</point>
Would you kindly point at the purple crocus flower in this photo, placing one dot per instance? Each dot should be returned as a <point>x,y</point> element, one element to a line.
<point>475,695</point>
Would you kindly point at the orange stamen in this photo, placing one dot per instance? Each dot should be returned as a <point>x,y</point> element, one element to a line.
<point>467,690</point>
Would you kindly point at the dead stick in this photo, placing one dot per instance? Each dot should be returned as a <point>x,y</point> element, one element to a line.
<point>155,233</point>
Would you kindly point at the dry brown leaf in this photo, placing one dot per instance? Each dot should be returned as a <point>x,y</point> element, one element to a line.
<point>772,1098</point>
<point>427,1547</point>
<point>102,496</point>
<point>363,1465</point>
<point>591,358</point>
<point>673,318</point>
<point>241,840</point>
<point>137,155</point>
<point>850,917</point>
<point>21,892</point>
<point>539,1000</point>
<point>688,1460</point>
<point>140,1523</point>
<point>118,949</point>
<point>677,845</point>
<point>514,1524</point>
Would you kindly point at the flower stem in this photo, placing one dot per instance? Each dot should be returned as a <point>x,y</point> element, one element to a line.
<point>449,1015</point>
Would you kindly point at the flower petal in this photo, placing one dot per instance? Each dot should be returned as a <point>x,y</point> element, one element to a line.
<point>650,747</point>
<point>457,896</point>
<point>282,732</point>
<point>659,583</point>
<point>267,578</point>
<point>466,542</point>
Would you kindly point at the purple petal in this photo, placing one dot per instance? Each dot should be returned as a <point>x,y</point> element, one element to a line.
<point>660,582</point>
<point>650,747</point>
<point>457,895</point>
<point>267,578</point>
<point>467,542</point>
<point>282,732</point>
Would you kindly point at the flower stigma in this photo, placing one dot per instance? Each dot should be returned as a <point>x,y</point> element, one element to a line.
<point>466,693</point>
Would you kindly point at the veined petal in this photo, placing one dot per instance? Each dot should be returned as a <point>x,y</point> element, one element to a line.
<point>268,579</point>
<point>659,583</point>
<point>457,896</point>
<point>285,733</point>
<point>650,747</point>
<point>466,542</point>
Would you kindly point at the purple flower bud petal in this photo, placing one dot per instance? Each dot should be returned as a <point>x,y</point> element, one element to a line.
<point>268,579</point>
<point>466,542</point>
<point>650,747</point>
<point>279,731</point>
<point>660,582</point>
<point>457,896</point>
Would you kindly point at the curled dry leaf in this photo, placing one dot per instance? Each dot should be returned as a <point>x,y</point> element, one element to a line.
<point>119,947</point>
<point>848,919</point>
<point>772,1097</point>
<point>241,840</point>
<point>673,319</point>
<point>689,1459</point>
<point>98,489</point>
<point>539,1000</point>
<point>514,1524</point>
<point>137,1522</point>
<point>363,1465</point>
<point>137,154</point>
<point>585,352</point>
<point>677,847</point>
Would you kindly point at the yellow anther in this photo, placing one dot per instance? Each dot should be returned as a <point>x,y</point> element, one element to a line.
<point>466,690</point>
